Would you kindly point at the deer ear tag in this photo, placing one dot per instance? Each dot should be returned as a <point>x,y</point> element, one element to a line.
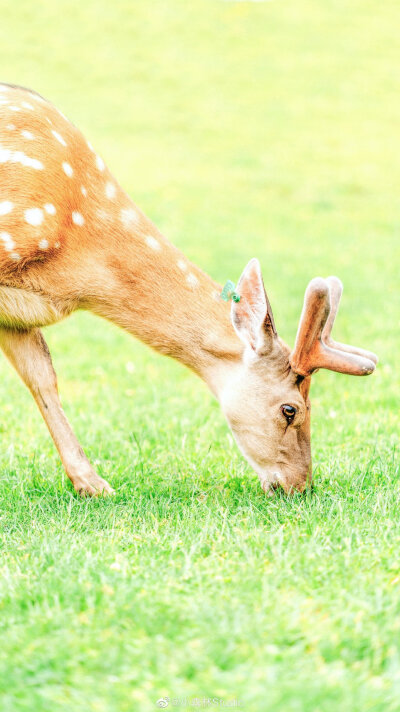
<point>228,292</point>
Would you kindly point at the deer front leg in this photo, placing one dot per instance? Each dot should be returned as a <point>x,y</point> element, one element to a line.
<point>30,356</point>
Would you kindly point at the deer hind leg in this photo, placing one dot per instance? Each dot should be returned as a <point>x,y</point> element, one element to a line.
<point>30,356</point>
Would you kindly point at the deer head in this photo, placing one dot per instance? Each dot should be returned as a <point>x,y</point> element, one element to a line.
<point>266,400</point>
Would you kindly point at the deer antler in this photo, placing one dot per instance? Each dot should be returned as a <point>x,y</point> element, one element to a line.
<point>314,347</point>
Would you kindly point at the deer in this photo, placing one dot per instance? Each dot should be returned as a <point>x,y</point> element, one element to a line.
<point>72,239</point>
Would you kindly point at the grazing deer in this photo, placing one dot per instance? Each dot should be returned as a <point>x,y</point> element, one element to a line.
<point>70,238</point>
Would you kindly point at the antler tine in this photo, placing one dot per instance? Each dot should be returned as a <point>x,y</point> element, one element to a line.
<point>335,295</point>
<point>312,321</point>
<point>313,347</point>
<point>335,292</point>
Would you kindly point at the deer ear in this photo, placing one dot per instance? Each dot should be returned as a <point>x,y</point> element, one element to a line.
<point>252,316</point>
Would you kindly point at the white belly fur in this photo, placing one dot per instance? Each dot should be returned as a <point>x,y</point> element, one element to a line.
<point>20,309</point>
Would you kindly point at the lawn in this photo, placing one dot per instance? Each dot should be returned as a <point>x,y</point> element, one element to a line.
<point>242,129</point>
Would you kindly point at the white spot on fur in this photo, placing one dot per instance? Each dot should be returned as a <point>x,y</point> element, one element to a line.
<point>10,127</point>
<point>83,191</point>
<point>90,146</point>
<point>50,208</point>
<point>5,207</point>
<point>182,265</point>
<point>15,108</point>
<point>31,162</point>
<point>57,244</point>
<point>110,190</point>
<point>8,242</point>
<point>49,121</point>
<point>7,155</point>
<point>68,169</point>
<point>129,217</point>
<point>15,256</point>
<point>100,163</point>
<point>77,218</point>
<point>192,280</point>
<point>28,135</point>
<point>26,105</point>
<point>58,137</point>
<point>152,242</point>
<point>34,216</point>
<point>43,244</point>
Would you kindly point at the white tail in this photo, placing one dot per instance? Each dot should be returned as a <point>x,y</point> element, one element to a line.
<point>71,238</point>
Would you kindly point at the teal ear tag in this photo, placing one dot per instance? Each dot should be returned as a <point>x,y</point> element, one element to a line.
<point>228,292</point>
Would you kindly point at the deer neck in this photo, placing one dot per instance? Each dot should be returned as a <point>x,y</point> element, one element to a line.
<point>155,293</point>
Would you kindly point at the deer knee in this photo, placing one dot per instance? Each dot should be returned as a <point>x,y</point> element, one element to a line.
<point>41,377</point>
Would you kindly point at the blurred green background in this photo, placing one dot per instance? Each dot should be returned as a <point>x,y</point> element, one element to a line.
<point>242,129</point>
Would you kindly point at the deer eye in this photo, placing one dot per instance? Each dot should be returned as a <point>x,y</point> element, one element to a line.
<point>289,411</point>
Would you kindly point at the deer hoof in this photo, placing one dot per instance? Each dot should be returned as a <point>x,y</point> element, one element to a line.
<point>93,486</point>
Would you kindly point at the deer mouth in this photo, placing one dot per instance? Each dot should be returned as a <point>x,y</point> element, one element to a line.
<point>276,480</point>
<point>271,480</point>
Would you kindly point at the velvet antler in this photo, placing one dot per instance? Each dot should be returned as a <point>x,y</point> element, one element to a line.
<point>314,347</point>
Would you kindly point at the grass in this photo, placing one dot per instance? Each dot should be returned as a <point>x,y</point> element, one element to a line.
<point>242,129</point>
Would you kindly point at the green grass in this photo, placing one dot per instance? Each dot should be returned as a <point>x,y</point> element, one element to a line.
<point>242,129</point>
